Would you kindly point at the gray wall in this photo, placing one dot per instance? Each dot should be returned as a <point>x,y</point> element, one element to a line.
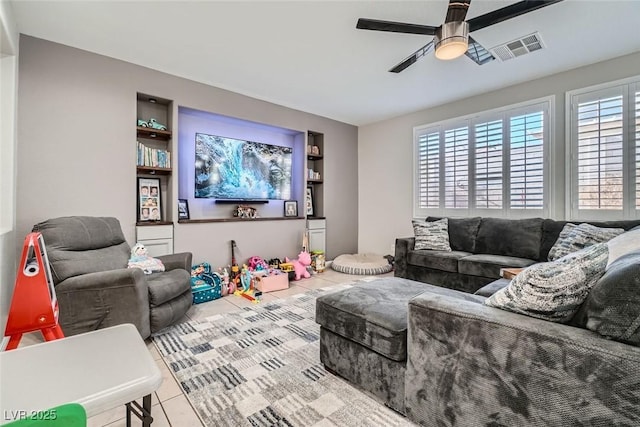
<point>385,199</point>
<point>76,151</point>
<point>8,87</point>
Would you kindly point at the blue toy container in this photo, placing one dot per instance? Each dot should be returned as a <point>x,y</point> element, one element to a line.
<point>205,285</point>
<point>203,292</point>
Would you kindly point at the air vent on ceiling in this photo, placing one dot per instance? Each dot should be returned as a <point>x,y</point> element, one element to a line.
<point>518,47</point>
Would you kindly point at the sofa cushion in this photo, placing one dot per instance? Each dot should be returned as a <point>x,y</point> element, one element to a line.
<point>574,237</point>
<point>167,285</point>
<point>612,308</point>
<point>462,232</point>
<point>372,314</point>
<point>492,288</point>
<point>511,237</point>
<point>432,235</point>
<point>79,245</point>
<point>554,290</point>
<point>623,244</point>
<point>550,231</point>
<point>438,260</point>
<point>486,265</point>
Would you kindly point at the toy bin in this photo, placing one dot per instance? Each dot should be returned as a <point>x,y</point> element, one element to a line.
<point>203,292</point>
<point>274,282</point>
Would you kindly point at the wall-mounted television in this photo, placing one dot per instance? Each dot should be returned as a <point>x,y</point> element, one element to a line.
<point>229,168</point>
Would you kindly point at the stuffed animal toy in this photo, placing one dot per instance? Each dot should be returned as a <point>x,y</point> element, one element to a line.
<point>140,259</point>
<point>224,274</point>
<point>231,286</point>
<point>300,265</point>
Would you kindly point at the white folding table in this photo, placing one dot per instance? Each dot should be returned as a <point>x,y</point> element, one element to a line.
<point>99,370</point>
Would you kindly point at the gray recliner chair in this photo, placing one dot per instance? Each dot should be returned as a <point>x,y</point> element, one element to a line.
<point>95,289</point>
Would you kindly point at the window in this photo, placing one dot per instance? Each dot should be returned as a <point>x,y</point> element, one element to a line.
<point>492,163</point>
<point>604,151</point>
<point>488,155</point>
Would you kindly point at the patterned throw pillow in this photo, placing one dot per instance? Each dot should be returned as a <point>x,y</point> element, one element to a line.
<point>432,235</point>
<point>573,237</point>
<point>554,290</point>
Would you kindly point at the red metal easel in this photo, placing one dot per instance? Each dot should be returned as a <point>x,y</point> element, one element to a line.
<point>34,305</point>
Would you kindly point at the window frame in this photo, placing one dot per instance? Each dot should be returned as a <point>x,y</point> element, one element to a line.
<point>628,88</point>
<point>546,104</point>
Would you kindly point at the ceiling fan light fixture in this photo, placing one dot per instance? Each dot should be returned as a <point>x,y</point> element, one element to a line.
<point>452,40</point>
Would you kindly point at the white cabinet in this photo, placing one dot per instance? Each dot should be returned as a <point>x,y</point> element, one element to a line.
<point>158,239</point>
<point>317,234</point>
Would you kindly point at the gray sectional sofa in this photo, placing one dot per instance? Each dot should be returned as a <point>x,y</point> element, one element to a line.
<point>481,247</point>
<point>444,358</point>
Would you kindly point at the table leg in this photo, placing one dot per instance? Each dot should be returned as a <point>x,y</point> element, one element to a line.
<point>146,410</point>
<point>142,412</point>
<point>128,424</point>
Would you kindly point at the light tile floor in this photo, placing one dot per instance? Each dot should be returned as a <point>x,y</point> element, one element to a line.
<point>170,406</point>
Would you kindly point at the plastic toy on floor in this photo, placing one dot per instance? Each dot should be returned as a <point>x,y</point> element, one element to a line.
<point>141,259</point>
<point>247,291</point>
<point>257,264</point>
<point>274,263</point>
<point>300,265</point>
<point>245,278</point>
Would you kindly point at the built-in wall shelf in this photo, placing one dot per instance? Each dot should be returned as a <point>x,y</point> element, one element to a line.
<point>151,170</point>
<point>314,156</point>
<point>197,221</point>
<point>151,133</point>
<point>154,167</point>
<point>314,181</point>
<point>145,223</point>
<point>242,201</point>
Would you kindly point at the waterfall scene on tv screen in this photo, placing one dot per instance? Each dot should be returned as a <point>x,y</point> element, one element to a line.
<point>228,168</point>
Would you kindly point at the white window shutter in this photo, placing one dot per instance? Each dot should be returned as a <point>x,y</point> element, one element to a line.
<point>637,146</point>
<point>428,170</point>
<point>488,165</point>
<point>599,150</point>
<point>527,169</point>
<point>456,168</point>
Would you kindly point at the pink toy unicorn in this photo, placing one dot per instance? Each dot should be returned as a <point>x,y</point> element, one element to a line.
<point>300,265</point>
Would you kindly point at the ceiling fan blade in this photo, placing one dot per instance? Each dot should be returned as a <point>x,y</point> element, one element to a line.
<point>395,27</point>
<point>478,53</point>
<point>457,10</point>
<point>410,60</point>
<point>507,12</point>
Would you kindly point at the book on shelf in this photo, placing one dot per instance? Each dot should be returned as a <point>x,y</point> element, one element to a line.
<point>153,157</point>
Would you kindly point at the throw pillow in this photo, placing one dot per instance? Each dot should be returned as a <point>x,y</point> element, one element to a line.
<point>554,290</point>
<point>432,235</point>
<point>623,244</point>
<point>612,308</point>
<point>573,237</point>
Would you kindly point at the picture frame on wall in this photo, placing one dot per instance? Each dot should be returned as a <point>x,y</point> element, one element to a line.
<point>308,202</point>
<point>149,199</point>
<point>291,208</point>
<point>183,209</point>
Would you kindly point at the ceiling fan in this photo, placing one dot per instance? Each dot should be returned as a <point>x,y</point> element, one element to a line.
<point>452,38</point>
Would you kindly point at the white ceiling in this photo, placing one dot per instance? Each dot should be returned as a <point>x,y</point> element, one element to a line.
<point>309,55</point>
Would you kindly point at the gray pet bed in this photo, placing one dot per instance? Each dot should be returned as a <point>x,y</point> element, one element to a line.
<point>365,264</point>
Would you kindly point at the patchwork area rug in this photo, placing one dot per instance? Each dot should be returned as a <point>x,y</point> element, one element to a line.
<point>260,366</point>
